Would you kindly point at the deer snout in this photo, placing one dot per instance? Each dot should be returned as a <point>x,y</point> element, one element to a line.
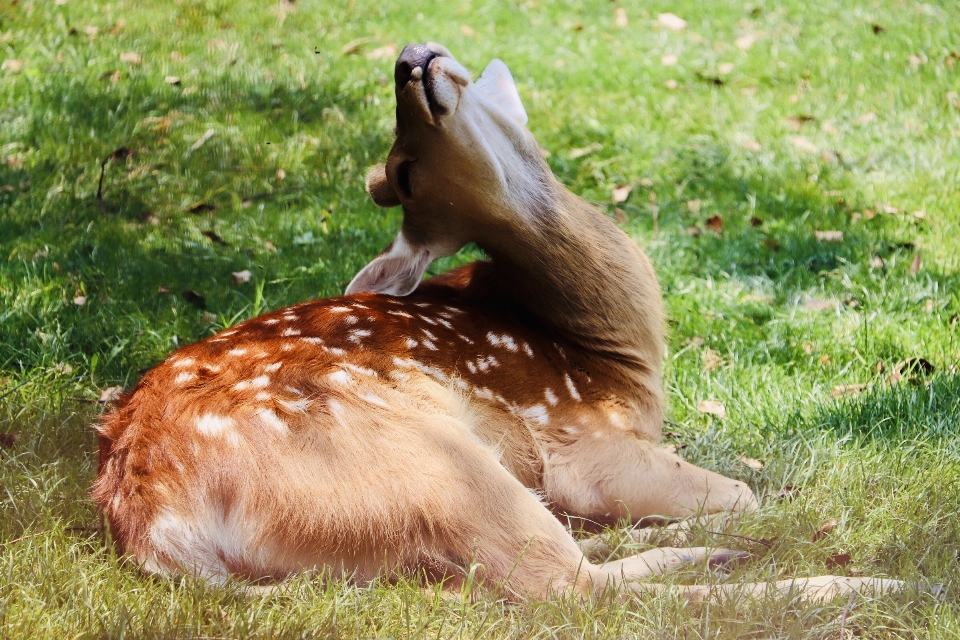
<point>413,57</point>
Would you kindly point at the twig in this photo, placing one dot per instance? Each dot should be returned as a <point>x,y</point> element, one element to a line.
<point>843,618</point>
<point>16,540</point>
<point>747,538</point>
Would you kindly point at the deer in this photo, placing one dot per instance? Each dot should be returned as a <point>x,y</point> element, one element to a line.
<point>432,426</point>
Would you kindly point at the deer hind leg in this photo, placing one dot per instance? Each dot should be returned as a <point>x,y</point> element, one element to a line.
<point>657,562</point>
<point>672,532</point>
<point>816,589</point>
<point>624,476</point>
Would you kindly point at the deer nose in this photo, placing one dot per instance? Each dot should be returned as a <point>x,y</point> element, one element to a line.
<point>414,56</point>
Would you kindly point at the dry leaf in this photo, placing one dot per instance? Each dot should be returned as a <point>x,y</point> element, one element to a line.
<point>694,206</point>
<point>911,369</point>
<point>176,56</point>
<point>916,264</point>
<point>726,67</point>
<point>865,118</point>
<point>387,51</point>
<point>789,492</point>
<point>573,154</point>
<point>886,208</point>
<point>620,18</point>
<point>669,59</point>
<point>829,236</point>
<point>848,389</point>
<point>13,65</point>
<point>816,304</point>
<point>694,232</point>
<point>711,359</point>
<point>215,238</point>
<point>753,463</point>
<point>281,175</point>
<point>130,57</point>
<point>620,216</point>
<point>755,221</point>
<point>696,341</point>
<point>824,530</point>
<point>217,44</point>
<point>91,30</point>
<point>672,22</point>
<point>746,42</point>
<point>824,359</point>
<point>803,144</point>
<point>876,262</point>
<point>467,31</point>
<point>750,145</point>
<point>163,289</point>
<point>240,277</point>
<point>269,246</point>
<point>928,305</point>
<point>671,84</point>
<point>915,60</point>
<point>195,299</point>
<point>110,394</point>
<point>713,407</point>
<point>827,127</point>
<point>7,440</point>
<point>174,80</point>
<point>797,121</point>
<point>715,224</point>
<point>838,560</point>
<point>80,300</point>
<point>620,194</point>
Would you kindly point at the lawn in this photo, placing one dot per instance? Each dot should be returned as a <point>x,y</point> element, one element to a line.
<point>793,172</point>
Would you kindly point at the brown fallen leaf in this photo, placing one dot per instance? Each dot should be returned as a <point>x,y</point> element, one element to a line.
<point>694,232</point>
<point>755,221</point>
<point>672,21</point>
<point>671,84</point>
<point>669,59</point>
<point>829,236</point>
<point>713,407</point>
<point>711,359</point>
<point>696,341</point>
<point>876,262</point>
<point>746,42</point>
<point>789,492</point>
<point>816,304</point>
<point>110,394</point>
<point>621,216</point>
<point>772,244</point>
<point>573,154</point>
<point>912,369</point>
<point>620,194</point>
<point>824,359</point>
<point>281,175</point>
<point>241,277</point>
<point>80,300</point>
<point>91,30</point>
<point>803,144</point>
<point>217,44</point>
<point>130,57</point>
<point>7,440</point>
<point>848,389</point>
<point>796,122</point>
<point>824,531</point>
<point>726,67</point>
<point>877,28</point>
<point>715,224</point>
<point>386,52</point>
<point>916,264</point>
<point>13,65</point>
<point>694,206</point>
<point>269,246</point>
<point>163,289</point>
<point>753,463</point>
<point>172,80</point>
<point>838,560</point>
<point>928,305</point>
<point>467,31</point>
<point>215,238</point>
<point>620,18</point>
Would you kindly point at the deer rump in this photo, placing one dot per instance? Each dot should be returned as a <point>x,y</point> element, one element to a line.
<point>427,425</point>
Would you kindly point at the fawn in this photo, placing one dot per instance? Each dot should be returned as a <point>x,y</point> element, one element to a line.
<point>428,426</point>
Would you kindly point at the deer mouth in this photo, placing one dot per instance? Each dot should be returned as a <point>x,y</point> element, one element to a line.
<point>430,78</point>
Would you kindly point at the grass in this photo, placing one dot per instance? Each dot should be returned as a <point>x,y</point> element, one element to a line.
<point>843,117</point>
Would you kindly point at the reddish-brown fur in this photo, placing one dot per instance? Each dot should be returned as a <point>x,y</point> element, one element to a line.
<point>376,433</point>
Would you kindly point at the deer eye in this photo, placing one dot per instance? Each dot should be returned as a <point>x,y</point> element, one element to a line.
<point>403,178</point>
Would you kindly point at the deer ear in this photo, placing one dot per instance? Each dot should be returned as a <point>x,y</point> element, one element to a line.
<point>379,188</point>
<point>496,82</point>
<point>395,272</point>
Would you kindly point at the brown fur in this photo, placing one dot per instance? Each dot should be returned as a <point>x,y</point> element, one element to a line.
<point>373,433</point>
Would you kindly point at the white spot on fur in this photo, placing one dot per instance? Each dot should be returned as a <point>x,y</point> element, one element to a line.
<point>337,351</point>
<point>290,331</point>
<point>372,399</point>
<point>465,338</point>
<point>399,375</point>
<point>296,406</point>
<point>287,347</point>
<point>336,409</point>
<point>434,372</point>
<point>411,343</point>
<point>229,332</point>
<point>486,363</point>
<point>289,317</point>
<point>260,382</point>
<point>571,430</point>
<point>472,367</point>
<point>445,323</point>
<point>616,419</point>
<point>427,333</point>
<point>402,314</point>
<point>493,339</point>
<point>351,320</point>
<point>273,367</point>
<point>242,385</point>
<point>550,396</point>
<point>271,419</point>
<point>236,352</point>
<point>422,305</point>
<point>271,321</point>
<point>261,355</point>
<point>360,370</point>
<point>312,340</point>
<point>428,320</point>
<point>526,349</point>
<point>357,305</point>
<point>340,377</point>
<point>452,309</point>
<point>263,395</point>
<point>338,309</point>
<point>185,377</point>
<point>461,383</point>
<point>210,424</point>
<point>430,345</point>
<point>358,334</point>
<point>571,388</point>
<point>212,368</point>
<point>184,362</point>
<point>537,412</point>
<point>484,393</point>
<point>294,390</point>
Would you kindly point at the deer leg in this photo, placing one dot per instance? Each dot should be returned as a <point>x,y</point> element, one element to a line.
<point>657,562</point>
<point>816,589</point>
<point>638,480</point>
<point>676,533</point>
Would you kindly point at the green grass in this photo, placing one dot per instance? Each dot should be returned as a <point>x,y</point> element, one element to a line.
<point>278,93</point>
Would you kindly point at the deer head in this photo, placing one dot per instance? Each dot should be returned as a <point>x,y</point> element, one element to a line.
<point>464,167</point>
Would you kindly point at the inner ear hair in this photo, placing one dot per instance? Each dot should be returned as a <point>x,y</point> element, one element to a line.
<point>379,188</point>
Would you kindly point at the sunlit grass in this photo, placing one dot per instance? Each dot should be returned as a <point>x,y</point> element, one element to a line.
<point>839,117</point>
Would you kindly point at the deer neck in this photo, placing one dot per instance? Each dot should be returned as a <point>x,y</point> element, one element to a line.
<point>571,269</point>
